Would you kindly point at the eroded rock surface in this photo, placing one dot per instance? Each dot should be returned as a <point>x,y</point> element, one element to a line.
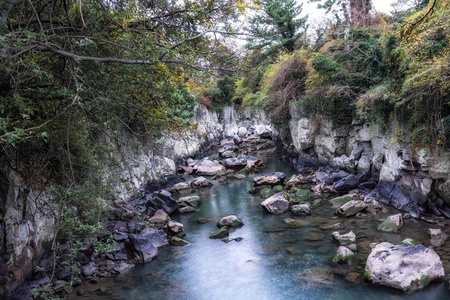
<point>404,267</point>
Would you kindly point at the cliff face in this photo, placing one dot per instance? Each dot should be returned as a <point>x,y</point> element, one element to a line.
<point>411,179</point>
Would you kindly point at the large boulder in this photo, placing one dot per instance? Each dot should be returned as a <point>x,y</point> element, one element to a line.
<point>144,245</point>
<point>276,204</point>
<point>272,179</point>
<point>404,267</point>
<point>209,167</point>
<point>351,208</point>
<point>235,163</point>
<point>162,200</point>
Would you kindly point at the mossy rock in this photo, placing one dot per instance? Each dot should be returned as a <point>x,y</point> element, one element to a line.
<point>277,189</point>
<point>339,201</point>
<point>202,220</point>
<point>316,202</point>
<point>220,233</point>
<point>302,193</point>
<point>266,192</point>
<point>176,241</point>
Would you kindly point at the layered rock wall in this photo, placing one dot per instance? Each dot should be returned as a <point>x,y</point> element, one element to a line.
<point>411,179</point>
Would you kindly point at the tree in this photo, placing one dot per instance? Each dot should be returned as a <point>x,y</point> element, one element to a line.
<point>354,13</point>
<point>276,26</point>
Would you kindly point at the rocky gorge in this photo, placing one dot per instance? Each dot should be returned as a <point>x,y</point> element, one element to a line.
<point>351,175</point>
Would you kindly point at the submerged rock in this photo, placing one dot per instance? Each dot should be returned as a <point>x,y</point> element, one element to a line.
<point>230,221</point>
<point>276,204</point>
<point>339,201</point>
<point>404,267</point>
<point>190,200</point>
<point>301,210</point>
<point>392,223</point>
<point>176,241</point>
<point>343,255</point>
<point>220,234</point>
<point>351,208</point>
<point>187,209</point>
<point>437,237</point>
<point>272,179</point>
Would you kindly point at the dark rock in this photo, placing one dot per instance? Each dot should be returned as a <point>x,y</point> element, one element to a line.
<point>87,249</point>
<point>81,292</point>
<point>89,269</point>
<point>162,200</point>
<point>346,184</point>
<point>145,245</point>
<point>82,259</point>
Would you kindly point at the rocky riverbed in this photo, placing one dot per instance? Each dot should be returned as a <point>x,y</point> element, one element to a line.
<point>325,203</point>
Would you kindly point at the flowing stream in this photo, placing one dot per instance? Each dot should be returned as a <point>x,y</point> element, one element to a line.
<point>275,259</point>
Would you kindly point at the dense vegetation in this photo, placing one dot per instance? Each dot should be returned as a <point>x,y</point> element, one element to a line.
<point>362,64</point>
<point>76,74</point>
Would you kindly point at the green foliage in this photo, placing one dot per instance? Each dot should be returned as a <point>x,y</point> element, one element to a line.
<point>275,27</point>
<point>283,83</point>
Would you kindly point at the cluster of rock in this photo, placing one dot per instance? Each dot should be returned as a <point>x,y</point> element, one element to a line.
<point>137,229</point>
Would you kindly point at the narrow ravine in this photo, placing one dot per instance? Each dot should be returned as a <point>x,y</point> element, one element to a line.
<point>279,257</point>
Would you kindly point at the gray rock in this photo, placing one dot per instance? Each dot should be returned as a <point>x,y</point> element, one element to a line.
<point>201,182</point>
<point>209,167</point>
<point>253,162</point>
<point>176,228</point>
<point>404,267</point>
<point>351,208</point>
<point>89,269</point>
<point>179,187</point>
<point>230,221</point>
<point>343,255</point>
<point>235,163</point>
<point>344,239</point>
<point>145,244</point>
<point>187,209</point>
<point>160,216</point>
<point>301,210</point>
<point>190,200</point>
<point>276,204</point>
<point>272,179</point>
<point>437,237</point>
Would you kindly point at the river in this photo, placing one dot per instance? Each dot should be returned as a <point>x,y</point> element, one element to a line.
<point>274,260</point>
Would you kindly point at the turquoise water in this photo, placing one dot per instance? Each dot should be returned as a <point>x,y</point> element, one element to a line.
<point>267,264</point>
